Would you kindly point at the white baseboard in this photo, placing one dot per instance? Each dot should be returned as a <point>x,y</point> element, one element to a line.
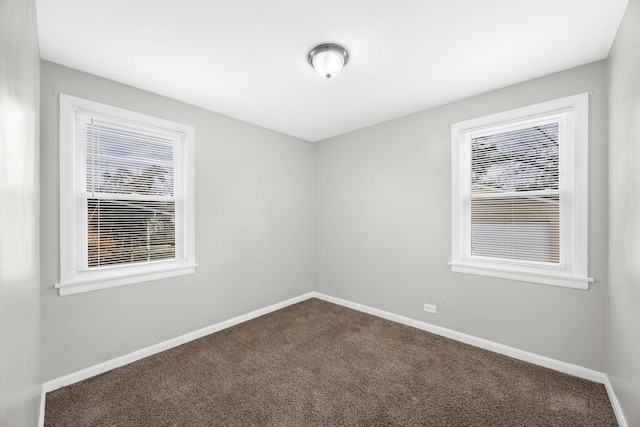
<point>536,359</point>
<point>526,356</point>
<point>101,368</point>
<point>617,409</point>
<point>41,408</point>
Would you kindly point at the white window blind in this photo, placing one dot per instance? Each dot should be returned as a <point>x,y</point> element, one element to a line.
<point>519,194</point>
<point>126,197</point>
<point>515,197</point>
<point>130,195</point>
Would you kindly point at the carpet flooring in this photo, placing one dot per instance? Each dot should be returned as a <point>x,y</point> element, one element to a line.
<point>319,364</point>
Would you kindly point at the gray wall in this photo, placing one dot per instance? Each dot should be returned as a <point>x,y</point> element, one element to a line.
<point>254,232</point>
<point>20,381</point>
<point>383,228</point>
<point>623,358</point>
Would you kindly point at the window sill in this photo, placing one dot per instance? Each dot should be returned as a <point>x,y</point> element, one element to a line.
<point>81,286</point>
<point>544,277</point>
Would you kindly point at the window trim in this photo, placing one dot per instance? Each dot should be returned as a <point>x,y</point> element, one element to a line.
<point>573,275</point>
<point>73,278</point>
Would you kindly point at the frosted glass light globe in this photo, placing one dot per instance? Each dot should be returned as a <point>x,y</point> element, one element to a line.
<point>328,59</point>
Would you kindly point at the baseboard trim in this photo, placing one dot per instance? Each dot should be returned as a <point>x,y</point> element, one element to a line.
<point>43,395</point>
<point>101,368</point>
<point>526,356</point>
<point>617,409</point>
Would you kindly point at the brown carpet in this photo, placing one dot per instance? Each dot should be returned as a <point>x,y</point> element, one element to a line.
<point>320,364</point>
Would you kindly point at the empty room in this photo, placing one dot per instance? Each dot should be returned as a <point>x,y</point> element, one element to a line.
<point>295,213</point>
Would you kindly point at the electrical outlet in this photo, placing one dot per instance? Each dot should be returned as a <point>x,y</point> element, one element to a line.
<point>430,308</point>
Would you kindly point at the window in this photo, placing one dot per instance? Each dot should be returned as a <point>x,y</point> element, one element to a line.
<point>519,194</point>
<point>126,197</point>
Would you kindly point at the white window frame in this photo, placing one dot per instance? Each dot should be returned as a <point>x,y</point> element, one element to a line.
<point>74,276</point>
<point>572,271</point>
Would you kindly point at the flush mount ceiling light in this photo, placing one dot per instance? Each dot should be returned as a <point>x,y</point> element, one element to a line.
<point>328,59</point>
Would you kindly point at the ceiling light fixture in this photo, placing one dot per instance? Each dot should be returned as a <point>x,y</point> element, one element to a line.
<point>328,59</point>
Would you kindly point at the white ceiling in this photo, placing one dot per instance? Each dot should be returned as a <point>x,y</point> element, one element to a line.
<point>248,58</point>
